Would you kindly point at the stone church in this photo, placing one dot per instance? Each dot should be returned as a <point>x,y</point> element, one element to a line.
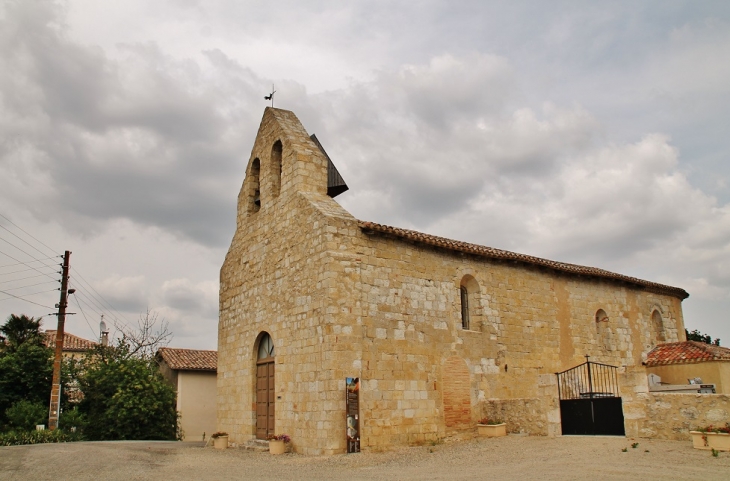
<point>439,332</point>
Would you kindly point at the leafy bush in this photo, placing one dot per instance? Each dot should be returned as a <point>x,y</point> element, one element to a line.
<point>126,397</point>
<point>25,374</point>
<point>15,438</point>
<point>72,420</point>
<point>25,415</point>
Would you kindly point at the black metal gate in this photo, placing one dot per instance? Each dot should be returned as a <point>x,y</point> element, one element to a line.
<point>589,400</point>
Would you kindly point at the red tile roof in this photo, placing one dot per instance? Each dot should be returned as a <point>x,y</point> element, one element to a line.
<point>189,359</point>
<point>492,253</point>
<point>71,343</point>
<point>686,352</point>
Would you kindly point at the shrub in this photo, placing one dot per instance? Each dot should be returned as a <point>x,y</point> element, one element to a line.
<point>126,398</point>
<point>72,420</point>
<point>15,438</point>
<point>25,415</point>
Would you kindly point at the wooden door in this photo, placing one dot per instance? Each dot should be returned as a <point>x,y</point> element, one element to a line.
<point>265,399</point>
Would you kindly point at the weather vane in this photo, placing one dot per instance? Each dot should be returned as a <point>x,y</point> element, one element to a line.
<point>271,95</point>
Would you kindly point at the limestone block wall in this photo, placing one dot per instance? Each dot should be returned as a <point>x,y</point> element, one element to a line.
<point>673,416</point>
<point>527,324</point>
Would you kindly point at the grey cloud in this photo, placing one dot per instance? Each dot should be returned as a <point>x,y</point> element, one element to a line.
<point>143,137</point>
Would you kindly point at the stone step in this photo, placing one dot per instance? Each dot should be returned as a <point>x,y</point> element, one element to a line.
<point>259,445</point>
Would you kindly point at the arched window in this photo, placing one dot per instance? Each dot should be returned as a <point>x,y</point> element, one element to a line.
<point>468,291</point>
<point>603,328</point>
<point>276,168</point>
<point>464,307</point>
<point>255,188</point>
<point>657,327</point>
<point>266,347</point>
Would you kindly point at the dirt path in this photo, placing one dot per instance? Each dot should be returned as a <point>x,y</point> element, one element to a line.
<point>513,457</point>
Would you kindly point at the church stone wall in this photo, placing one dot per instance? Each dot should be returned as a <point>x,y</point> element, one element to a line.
<point>339,302</point>
<point>527,324</point>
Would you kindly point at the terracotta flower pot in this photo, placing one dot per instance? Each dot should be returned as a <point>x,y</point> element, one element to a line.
<point>277,447</point>
<point>221,442</point>
<point>717,441</point>
<point>492,430</point>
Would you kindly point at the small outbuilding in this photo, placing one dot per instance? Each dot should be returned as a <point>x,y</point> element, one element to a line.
<point>193,374</point>
<point>678,363</point>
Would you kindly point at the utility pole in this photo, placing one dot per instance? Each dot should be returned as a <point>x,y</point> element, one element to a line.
<point>55,407</point>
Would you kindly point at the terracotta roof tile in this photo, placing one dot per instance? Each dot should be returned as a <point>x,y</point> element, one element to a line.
<point>492,253</point>
<point>71,343</point>
<point>686,352</point>
<point>189,359</point>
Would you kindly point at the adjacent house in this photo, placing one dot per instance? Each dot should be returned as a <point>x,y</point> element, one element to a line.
<point>424,334</point>
<point>193,374</point>
<point>73,346</point>
<point>679,363</point>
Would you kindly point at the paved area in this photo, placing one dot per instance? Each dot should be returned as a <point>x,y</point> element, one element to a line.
<point>512,457</point>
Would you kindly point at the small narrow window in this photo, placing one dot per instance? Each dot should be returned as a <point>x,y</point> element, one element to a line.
<point>255,188</point>
<point>464,308</point>
<point>276,168</point>
<point>657,327</point>
<point>603,328</point>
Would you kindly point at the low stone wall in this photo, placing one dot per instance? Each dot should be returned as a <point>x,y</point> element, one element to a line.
<point>673,416</point>
<point>522,415</point>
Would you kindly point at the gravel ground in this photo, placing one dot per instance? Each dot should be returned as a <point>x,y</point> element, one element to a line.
<point>511,457</point>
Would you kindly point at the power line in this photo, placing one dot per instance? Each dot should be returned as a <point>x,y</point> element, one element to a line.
<point>91,303</point>
<point>26,270</point>
<point>101,298</point>
<point>92,295</point>
<point>26,300</point>
<point>38,260</point>
<point>21,250</point>
<point>21,279</point>
<point>26,263</point>
<point>84,314</point>
<point>23,240</point>
<point>29,235</point>
<point>32,285</point>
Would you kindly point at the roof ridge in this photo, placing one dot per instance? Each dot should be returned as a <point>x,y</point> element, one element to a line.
<point>494,253</point>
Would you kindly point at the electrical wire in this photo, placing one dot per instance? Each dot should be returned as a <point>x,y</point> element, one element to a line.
<point>32,285</point>
<point>21,250</point>
<point>29,235</point>
<point>21,279</point>
<point>26,263</point>
<point>92,296</point>
<point>124,321</point>
<point>84,315</point>
<point>21,263</point>
<point>23,299</point>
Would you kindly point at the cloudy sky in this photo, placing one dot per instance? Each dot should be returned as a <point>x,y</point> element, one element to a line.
<point>587,132</point>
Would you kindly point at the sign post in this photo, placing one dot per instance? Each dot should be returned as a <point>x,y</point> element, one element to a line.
<point>352,409</point>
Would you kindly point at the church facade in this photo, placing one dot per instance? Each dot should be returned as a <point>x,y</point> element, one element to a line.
<point>439,332</point>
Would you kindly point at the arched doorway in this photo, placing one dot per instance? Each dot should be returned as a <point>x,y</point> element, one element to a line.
<point>265,393</point>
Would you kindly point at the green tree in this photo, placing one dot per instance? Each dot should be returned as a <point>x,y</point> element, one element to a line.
<point>696,335</point>
<point>21,329</point>
<point>26,365</point>
<point>26,415</point>
<point>125,397</point>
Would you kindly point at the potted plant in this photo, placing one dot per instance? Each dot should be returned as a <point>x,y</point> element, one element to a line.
<point>491,428</point>
<point>712,437</point>
<point>278,442</point>
<point>220,440</point>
